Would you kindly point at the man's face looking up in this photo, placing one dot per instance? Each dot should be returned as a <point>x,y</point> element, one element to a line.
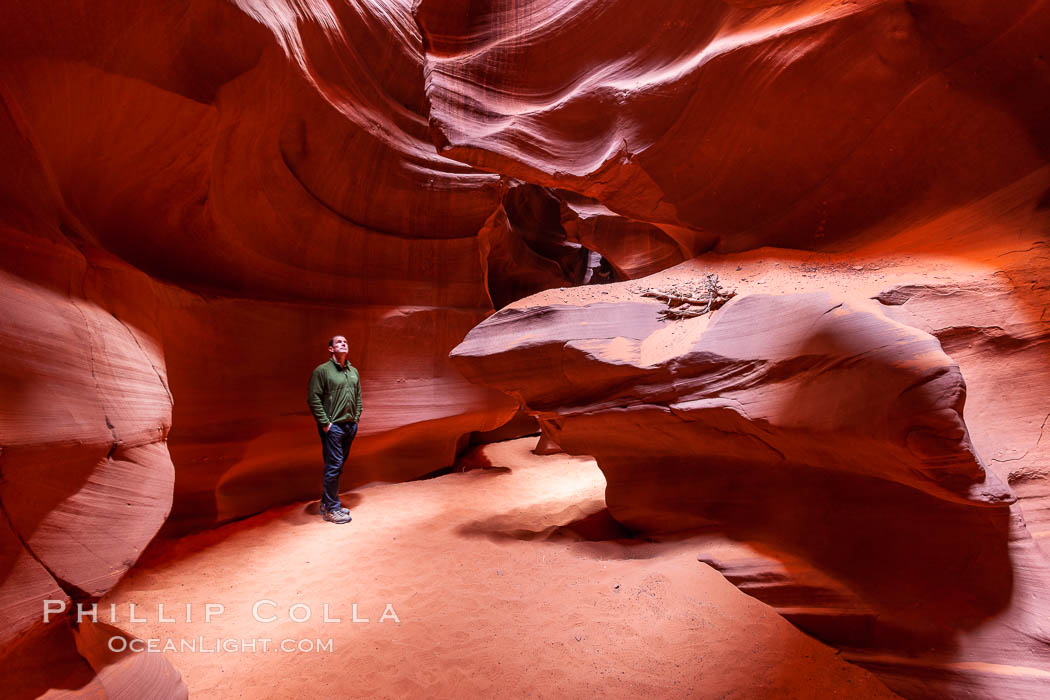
<point>339,345</point>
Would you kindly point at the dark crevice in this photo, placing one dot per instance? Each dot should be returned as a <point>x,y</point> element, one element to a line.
<point>98,389</point>
<point>529,250</point>
<point>70,590</point>
<point>75,593</point>
<point>116,440</point>
<point>171,398</point>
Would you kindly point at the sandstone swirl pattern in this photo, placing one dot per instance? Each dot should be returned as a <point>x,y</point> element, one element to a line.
<point>196,189</point>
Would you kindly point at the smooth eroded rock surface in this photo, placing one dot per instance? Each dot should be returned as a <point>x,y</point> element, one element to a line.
<point>903,550</point>
<point>777,381</point>
<point>197,194</point>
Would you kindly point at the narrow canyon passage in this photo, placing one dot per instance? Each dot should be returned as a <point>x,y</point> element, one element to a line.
<point>773,271</point>
<point>506,579</point>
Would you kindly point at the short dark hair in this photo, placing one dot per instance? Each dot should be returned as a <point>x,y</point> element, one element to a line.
<point>331,341</point>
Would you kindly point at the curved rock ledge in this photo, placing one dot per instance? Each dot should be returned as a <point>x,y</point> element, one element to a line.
<point>773,382</point>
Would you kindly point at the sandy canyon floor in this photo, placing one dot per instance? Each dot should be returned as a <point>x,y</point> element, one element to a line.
<point>507,579</point>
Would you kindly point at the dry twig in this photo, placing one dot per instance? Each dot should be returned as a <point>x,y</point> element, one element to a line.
<point>691,299</point>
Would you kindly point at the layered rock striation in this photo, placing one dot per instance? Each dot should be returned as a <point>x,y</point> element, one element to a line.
<point>200,193</point>
<point>792,123</point>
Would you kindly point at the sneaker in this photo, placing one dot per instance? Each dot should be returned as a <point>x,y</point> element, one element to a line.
<point>336,516</point>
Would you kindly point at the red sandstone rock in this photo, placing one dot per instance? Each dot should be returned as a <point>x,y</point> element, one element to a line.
<point>796,123</point>
<point>633,248</point>
<point>177,197</point>
<point>87,476</point>
<point>127,673</point>
<point>995,328</point>
<point>937,598</point>
<point>62,662</point>
<point>732,424</point>
<point>26,584</point>
<point>227,178</point>
<point>179,212</point>
<point>775,381</point>
<point>84,415</point>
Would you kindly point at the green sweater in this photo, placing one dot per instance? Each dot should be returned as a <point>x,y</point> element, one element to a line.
<point>335,393</point>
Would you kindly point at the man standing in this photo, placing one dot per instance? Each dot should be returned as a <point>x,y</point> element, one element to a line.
<point>335,400</point>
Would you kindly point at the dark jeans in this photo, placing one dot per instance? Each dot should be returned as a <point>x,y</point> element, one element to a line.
<point>335,444</point>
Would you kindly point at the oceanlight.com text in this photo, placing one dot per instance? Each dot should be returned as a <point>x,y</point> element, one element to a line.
<point>218,645</point>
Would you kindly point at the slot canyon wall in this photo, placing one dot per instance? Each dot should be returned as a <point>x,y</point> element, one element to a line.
<point>199,193</point>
